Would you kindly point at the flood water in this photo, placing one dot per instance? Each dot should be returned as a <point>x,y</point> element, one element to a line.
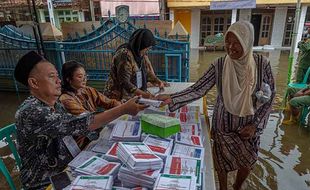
<point>284,157</point>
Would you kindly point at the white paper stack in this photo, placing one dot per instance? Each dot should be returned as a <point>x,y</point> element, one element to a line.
<point>146,179</point>
<point>184,166</point>
<point>175,182</point>
<point>98,166</point>
<point>81,158</point>
<point>192,140</point>
<point>160,146</point>
<point>111,155</point>
<point>138,157</point>
<point>188,151</point>
<point>191,129</point>
<point>96,182</point>
<point>126,131</point>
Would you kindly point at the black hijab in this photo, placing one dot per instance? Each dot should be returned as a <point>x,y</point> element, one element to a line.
<point>139,40</point>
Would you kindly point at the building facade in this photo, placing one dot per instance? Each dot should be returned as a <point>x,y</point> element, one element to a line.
<point>64,11</point>
<point>273,20</point>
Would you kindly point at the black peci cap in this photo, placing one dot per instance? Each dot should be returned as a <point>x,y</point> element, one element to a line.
<point>25,65</point>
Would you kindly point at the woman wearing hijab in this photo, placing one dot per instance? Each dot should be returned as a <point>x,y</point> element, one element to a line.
<point>131,68</point>
<point>245,91</point>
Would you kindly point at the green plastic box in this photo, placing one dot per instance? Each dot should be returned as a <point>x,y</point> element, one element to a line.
<point>160,125</point>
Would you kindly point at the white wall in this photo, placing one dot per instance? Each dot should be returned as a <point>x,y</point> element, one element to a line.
<point>234,16</point>
<point>195,28</point>
<point>278,27</point>
<point>245,14</point>
<point>301,25</point>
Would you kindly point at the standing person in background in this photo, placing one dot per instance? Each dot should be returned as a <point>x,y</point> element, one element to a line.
<point>131,68</point>
<point>79,98</point>
<point>245,92</point>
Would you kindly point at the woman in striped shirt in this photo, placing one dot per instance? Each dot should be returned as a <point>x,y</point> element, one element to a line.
<point>245,92</point>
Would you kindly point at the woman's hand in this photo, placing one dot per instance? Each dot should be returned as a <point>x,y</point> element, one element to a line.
<point>146,95</point>
<point>165,98</point>
<point>132,107</point>
<point>247,132</point>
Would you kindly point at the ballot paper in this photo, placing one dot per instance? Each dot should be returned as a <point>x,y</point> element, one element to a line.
<point>138,157</point>
<point>187,139</point>
<point>149,102</point>
<point>111,155</point>
<point>146,179</point>
<point>191,129</point>
<point>184,166</point>
<point>98,166</point>
<point>126,131</point>
<point>189,117</point>
<point>102,146</point>
<point>175,182</point>
<point>95,182</point>
<point>188,151</point>
<point>160,146</point>
<point>81,158</point>
<point>189,108</point>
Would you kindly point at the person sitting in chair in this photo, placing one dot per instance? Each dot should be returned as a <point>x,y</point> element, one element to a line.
<point>296,100</point>
<point>42,122</point>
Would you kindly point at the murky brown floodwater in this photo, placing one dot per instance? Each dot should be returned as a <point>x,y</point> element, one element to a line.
<point>284,158</point>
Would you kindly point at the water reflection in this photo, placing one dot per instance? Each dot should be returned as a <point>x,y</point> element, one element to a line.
<point>283,162</point>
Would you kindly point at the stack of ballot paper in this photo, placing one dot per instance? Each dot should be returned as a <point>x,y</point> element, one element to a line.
<point>138,157</point>
<point>146,179</point>
<point>81,158</point>
<point>184,166</point>
<point>98,166</point>
<point>126,131</point>
<point>187,139</point>
<point>159,125</point>
<point>175,182</point>
<point>191,129</point>
<point>188,151</point>
<point>95,182</point>
<point>111,155</point>
<point>161,147</point>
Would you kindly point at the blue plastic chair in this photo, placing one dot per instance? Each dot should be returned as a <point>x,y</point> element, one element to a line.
<point>5,134</point>
<point>304,82</point>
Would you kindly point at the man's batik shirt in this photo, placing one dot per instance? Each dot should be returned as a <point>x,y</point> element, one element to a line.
<point>40,130</point>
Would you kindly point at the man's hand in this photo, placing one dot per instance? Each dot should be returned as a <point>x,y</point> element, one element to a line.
<point>132,107</point>
<point>165,98</point>
<point>247,132</point>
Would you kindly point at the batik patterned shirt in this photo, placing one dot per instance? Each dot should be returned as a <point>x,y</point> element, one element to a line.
<point>40,130</point>
<point>122,81</point>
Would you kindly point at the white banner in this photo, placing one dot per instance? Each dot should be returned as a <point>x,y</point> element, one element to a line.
<point>232,4</point>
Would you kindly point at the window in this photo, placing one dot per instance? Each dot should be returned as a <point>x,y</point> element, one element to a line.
<point>218,25</point>
<point>212,23</point>
<point>288,29</point>
<point>266,25</point>
<point>68,16</point>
